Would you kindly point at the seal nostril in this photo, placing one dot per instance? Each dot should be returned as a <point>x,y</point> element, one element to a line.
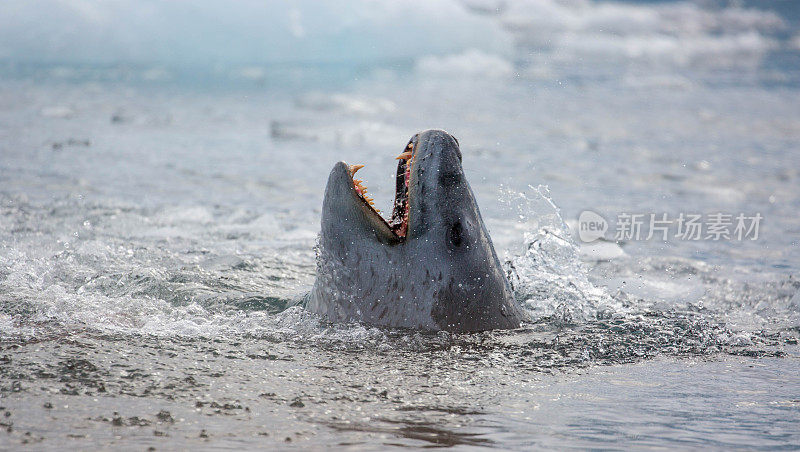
<point>456,233</point>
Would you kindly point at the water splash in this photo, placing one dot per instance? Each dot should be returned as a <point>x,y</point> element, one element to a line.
<point>546,272</point>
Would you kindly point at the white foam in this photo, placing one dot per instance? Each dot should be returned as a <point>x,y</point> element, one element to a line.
<point>601,250</point>
<point>674,292</point>
<point>348,134</point>
<point>470,63</point>
<point>185,214</point>
<point>346,103</point>
<point>57,111</point>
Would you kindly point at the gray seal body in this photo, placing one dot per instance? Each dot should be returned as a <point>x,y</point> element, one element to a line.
<point>441,273</point>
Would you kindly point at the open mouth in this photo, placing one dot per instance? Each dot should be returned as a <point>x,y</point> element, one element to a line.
<point>398,223</point>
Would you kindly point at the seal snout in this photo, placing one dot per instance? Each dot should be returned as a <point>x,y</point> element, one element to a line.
<point>435,142</point>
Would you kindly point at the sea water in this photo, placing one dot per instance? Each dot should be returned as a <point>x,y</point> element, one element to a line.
<point>160,194</point>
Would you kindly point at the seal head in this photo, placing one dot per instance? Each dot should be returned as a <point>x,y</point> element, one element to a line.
<point>430,266</point>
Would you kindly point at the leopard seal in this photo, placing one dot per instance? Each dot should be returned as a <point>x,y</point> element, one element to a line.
<point>431,266</point>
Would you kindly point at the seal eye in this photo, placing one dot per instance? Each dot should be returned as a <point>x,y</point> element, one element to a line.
<point>455,233</point>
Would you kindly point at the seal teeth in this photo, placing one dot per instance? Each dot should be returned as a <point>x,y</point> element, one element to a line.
<point>404,156</point>
<point>354,168</point>
<point>361,189</point>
